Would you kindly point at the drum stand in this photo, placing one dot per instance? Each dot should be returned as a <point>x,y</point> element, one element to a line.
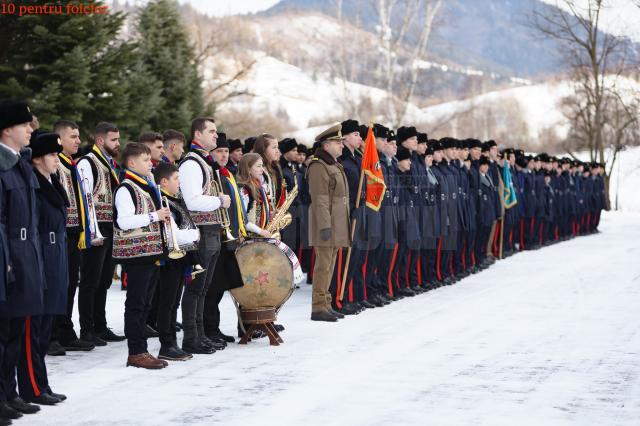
<point>260,319</point>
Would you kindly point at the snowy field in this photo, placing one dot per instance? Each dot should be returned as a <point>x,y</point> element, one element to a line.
<point>543,338</point>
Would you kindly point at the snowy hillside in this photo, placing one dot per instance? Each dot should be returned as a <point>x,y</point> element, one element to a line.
<point>625,181</point>
<point>547,337</point>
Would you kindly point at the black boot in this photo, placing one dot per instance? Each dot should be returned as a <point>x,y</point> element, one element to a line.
<point>19,404</point>
<point>216,344</point>
<point>8,412</point>
<point>197,347</point>
<point>44,399</point>
<point>173,353</point>
<point>78,345</point>
<point>336,314</point>
<point>60,396</point>
<point>367,304</point>
<point>55,349</point>
<point>323,316</point>
<point>92,338</point>
<point>109,336</point>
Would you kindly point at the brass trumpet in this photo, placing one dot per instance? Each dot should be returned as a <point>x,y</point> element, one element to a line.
<point>94,230</point>
<point>224,214</point>
<point>170,232</point>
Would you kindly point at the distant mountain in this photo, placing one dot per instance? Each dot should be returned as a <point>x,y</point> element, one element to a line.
<point>492,35</point>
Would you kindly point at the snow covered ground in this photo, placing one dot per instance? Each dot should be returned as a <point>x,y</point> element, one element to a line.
<point>544,337</point>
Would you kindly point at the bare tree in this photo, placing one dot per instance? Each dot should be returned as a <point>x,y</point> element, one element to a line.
<point>410,14</point>
<point>592,57</point>
<point>219,55</point>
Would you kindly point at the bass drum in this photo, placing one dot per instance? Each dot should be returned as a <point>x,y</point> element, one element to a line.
<point>268,276</point>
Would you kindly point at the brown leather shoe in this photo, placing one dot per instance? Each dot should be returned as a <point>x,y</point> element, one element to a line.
<point>145,360</point>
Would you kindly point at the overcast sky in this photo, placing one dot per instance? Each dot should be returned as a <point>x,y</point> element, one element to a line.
<point>621,17</point>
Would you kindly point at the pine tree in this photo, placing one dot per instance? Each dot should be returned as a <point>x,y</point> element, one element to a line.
<point>167,53</point>
<point>76,67</point>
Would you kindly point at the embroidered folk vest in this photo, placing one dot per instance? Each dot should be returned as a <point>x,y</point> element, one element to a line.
<point>102,191</point>
<point>140,242</point>
<point>68,183</point>
<point>208,188</point>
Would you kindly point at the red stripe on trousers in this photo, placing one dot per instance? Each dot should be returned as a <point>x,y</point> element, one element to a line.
<point>393,264</point>
<point>438,260</point>
<point>464,253</point>
<point>541,228</point>
<point>364,275</point>
<point>32,376</point>
<point>419,270</point>
<point>406,271</point>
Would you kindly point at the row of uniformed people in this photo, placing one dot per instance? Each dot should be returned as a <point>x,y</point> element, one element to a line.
<point>444,216</point>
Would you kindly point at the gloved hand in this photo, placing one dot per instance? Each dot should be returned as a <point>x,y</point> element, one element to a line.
<point>325,234</point>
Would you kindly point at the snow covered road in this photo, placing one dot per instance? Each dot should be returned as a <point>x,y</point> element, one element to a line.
<point>544,337</point>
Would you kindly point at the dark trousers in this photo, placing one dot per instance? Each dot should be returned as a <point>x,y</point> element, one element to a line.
<point>62,324</point>
<point>32,370</point>
<point>407,262</point>
<point>193,299</point>
<point>354,275</point>
<point>152,318</point>
<point>370,265</point>
<point>141,283</point>
<point>470,245</point>
<point>428,272</point>
<point>11,331</point>
<point>223,278</point>
<point>482,239</point>
<point>459,260</point>
<point>168,294</point>
<point>96,274</point>
<point>384,264</point>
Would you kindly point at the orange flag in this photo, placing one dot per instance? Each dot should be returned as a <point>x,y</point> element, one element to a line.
<point>373,172</point>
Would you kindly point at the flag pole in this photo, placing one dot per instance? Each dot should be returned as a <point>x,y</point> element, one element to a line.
<point>353,229</point>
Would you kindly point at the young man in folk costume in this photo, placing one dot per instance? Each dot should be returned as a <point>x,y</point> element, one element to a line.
<point>138,245</point>
<point>235,154</point>
<point>329,226</point>
<point>174,272</point>
<point>99,174</point>
<point>226,275</point>
<point>155,143</point>
<point>63,336</point>
<point>51,203</point>
<point>23,294</point>
<point>174,142</point>
<point>203,198</point>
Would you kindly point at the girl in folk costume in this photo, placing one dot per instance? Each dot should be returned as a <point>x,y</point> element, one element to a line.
<point>138,244</point>
<point>254,196</point>
<point>274,184</point>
